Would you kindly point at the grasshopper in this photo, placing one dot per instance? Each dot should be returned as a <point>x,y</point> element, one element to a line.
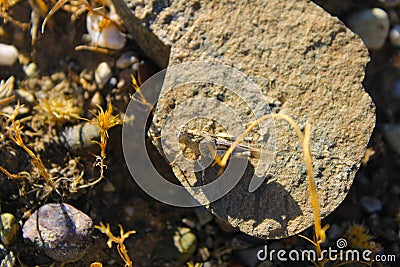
<point>191,139</point>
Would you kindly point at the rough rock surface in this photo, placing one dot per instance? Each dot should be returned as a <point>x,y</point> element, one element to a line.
<point>62,231</point>
<point>308,65</point>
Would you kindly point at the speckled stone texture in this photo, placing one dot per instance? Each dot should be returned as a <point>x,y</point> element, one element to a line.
<point>308,65</point>
<point>61,230</point>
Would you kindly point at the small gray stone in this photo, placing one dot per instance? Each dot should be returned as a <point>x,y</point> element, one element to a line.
<point>394,249</point>
<point>371,204</point>
<point>78,139</point>
<point>391,133</point>
<point>188,222</point>
<point>102,74</point>
<point>135,66</point>
<point>109,187</point>
<point>249,256</point>
<point>113,81</point>
<point>210,264</point>
<point>7,258</point>
<point>97,100</point>
<point>126,59</point>
<point>62,231</point>
<point>372,25</point>
<point>390,235</point>
<point>334,232</point>
<point>394,35</point>
<point>204,215</point>
<point>204,253</point>
<point>374,221</point>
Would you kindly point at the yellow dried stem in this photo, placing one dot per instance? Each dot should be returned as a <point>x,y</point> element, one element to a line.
<point>52,11</point>
<point>104,120</point>
<point>123,253</point>
<point>8,18</point>
<point>304,139</point>
<point>11,175</point>
<point>14,132</point>
<point>6,100</point>
<point>142,99</point>
<point>93,49</point>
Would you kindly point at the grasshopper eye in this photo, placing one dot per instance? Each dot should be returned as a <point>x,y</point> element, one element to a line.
<point>183,138</point>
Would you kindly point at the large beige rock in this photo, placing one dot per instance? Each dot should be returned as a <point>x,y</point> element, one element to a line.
<point>307,64</point>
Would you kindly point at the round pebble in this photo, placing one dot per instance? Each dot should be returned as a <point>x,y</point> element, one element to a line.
<point>78,139</point>
<point>391,133</point>
<point>335,232</point>
<point>8,54</point>
<point>135,66</point>
<point>31,70</point>
<point>25,96</point>
<point>394,35</point>
<point>397,88</point>
<point>7,258</point>
<point>126,59</point>
<point>185,241</point>
<point>372,25</point>
<point>371,204</point>
<point>62,231</point>
<point>102,74</point>
<point>390,235</point>
<point>97,100</point>
<point>204,216</point>
<point>9,228</point>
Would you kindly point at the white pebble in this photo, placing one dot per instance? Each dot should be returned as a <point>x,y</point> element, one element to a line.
<point>30,70</point>
<point>102,74</point>
<point>126,59</point>
<point>372,25</point>
<point>105,36</point>
<point>394,35</point>
<point>8,54</point>
<point>135,66</point>
<point>113,81</point>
